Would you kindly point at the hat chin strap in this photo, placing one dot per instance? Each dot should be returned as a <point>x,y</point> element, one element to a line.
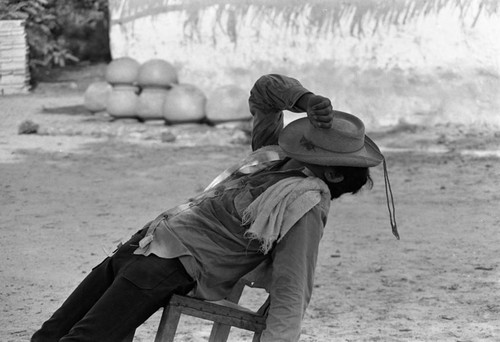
<point>390,201</point>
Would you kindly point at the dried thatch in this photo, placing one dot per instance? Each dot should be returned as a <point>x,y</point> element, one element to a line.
<point>324,15</point>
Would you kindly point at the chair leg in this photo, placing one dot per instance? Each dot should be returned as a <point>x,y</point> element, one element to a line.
<point>219,333</point>
<point>168,324</point>
<point>263,310</point>
<point>256,337</point>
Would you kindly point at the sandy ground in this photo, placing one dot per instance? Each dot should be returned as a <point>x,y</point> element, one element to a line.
<point>70,194</point>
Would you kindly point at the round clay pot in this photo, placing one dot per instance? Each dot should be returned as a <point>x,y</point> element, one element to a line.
<point>123,70</point>
<point>228,103</point>
<point>184,103</point>
<point>96,96</point>
<point>150,105</point>
<point>122,101</point>
<point>157,73</point>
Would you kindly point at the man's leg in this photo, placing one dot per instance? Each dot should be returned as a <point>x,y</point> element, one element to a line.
<point>88,292</point>
<point>77,304</point>
<point>139,291</point>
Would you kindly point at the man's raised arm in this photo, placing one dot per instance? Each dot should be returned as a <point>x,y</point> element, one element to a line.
<point>274,93</point>
<point>270,95</point>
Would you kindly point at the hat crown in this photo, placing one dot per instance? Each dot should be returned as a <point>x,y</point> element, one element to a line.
<point>346,135</point>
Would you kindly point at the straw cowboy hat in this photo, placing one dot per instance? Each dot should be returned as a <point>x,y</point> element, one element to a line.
<point>344,144</point>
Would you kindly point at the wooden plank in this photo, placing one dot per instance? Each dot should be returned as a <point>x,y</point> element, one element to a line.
<point>12,81</point>
<point>13,90</point>
<point>209,306</point>
<point>12,66</point>
<point>247,323</point>
<point>19,48</point>
<point>168,324</point>
<point>16,42</point>
<point>220,332</point>
<point>14,71</point>
<point>11,24</point>
<point>13,45</point>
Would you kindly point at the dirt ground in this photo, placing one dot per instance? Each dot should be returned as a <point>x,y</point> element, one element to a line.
<point>71,192</point>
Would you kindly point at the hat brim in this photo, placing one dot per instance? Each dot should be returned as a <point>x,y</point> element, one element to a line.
<point>289,140</point>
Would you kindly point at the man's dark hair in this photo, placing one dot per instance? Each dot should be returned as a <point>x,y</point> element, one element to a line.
<point>354,179</point>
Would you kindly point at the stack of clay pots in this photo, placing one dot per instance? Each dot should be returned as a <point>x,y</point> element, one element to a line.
<point>155,79</point>
<point>151,91</point>
<point>184,103</point>
<point>122,74</point>
<point>96,96</point>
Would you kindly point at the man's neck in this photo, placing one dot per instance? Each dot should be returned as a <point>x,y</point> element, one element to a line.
<point>291,164</point>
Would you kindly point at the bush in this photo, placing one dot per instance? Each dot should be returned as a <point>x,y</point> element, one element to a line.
<point>61,31</point>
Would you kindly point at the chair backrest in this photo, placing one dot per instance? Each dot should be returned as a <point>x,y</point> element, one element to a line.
<point>220,330</point>
<point>254,279</point>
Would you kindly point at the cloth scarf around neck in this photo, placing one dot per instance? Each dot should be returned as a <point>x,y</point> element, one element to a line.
<point>276,210</point>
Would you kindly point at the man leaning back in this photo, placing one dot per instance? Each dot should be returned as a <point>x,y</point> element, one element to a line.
<point>262,218</point>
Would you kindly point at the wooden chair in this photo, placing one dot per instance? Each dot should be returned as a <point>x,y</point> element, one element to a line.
<point>225,314</point>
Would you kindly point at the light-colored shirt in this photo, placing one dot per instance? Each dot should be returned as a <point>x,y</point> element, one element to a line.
<point>208,235</point>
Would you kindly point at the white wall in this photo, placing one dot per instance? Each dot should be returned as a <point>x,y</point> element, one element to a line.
<point>438,68</point>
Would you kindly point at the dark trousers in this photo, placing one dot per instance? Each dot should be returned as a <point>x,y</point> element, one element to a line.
<point>116,297</point>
